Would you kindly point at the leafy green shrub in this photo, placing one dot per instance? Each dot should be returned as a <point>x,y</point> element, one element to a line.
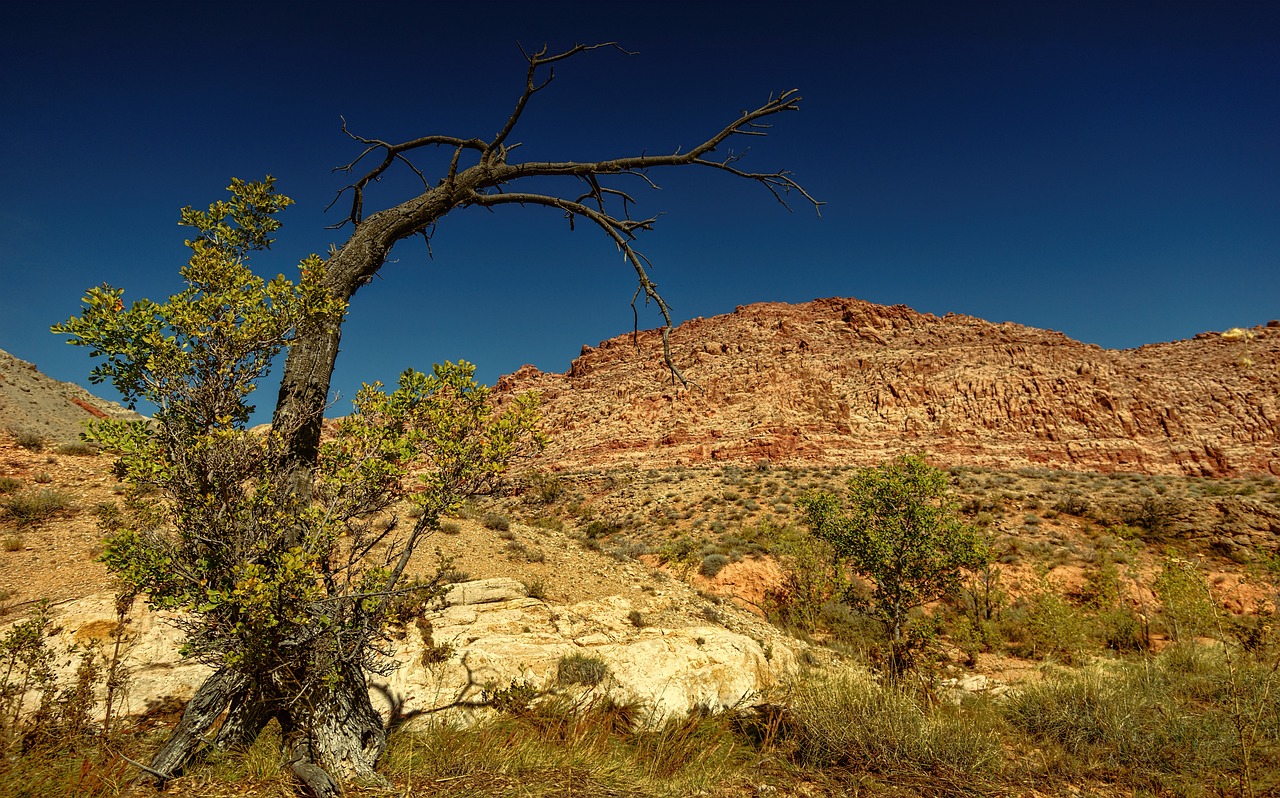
<point>32,507</point>
<point>1044,625</point>
<point>581,669</point>
<point>514,699</point>
<point>899,531</point>
<point>713,564</point>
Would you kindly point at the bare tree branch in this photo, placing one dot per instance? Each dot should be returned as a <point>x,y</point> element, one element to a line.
<point>485,182</point>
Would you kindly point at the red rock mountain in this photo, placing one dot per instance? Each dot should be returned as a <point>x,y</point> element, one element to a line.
<point>845,381</point>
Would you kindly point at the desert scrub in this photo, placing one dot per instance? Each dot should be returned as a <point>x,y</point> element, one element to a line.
<point>851,721</point>
<point>1160,722</point>
<point>78,449</point>
<point>713,564</point>
<point>496,522</point>
<point>28,439</point>
<point>581,669</point>
<point>9,485</point>
<point>33,507</point>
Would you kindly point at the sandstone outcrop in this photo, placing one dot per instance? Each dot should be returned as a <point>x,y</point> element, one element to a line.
<point>851,382</point>
<point>488,636</point>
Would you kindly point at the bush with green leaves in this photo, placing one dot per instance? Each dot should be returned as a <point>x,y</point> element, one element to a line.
<point>285,579</point>
<point>898,529</point>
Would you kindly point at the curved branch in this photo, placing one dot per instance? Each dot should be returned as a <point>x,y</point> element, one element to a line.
<point>622,232</point>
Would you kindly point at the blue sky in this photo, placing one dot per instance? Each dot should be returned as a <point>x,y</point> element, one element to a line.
<point>1108,169</point>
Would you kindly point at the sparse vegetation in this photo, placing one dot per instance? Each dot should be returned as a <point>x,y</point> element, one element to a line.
<point>31,508</point>
<point>581,669</point>
<point>28,439</point>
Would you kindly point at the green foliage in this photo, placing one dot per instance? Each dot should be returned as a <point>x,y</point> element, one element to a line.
<point>9,485</point>
<point>272,566</point>
<point>1185,602</point>
<point>898,530</point>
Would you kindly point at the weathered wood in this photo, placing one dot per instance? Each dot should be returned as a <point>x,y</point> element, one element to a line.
<point>188,737</point>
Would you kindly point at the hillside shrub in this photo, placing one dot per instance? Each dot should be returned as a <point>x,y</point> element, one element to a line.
<point>28,439</point>
<point>496,521</point>
<point>33,507</point>
<point>850,721</point>
<point>713,564</point>
<point>581,669</point>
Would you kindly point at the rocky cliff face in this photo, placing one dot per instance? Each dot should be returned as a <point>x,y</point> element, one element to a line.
<point>55,410</point>
<point>846,381</point>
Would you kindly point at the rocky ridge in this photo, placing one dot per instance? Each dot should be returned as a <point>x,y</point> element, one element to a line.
<point>34,402</point>
<point>847,381</point>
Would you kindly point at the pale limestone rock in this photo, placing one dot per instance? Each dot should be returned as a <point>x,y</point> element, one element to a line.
<point>486,642</point>
<point>485,591</point>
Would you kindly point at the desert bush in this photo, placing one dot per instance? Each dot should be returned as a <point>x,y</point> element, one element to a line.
<point>9,485</point>
<point>78,449</point>
<point>544,489</point>
<point>1155,514</point>
<point>496,521</point>
<point>1072,503</point>
<point>28,439</point>
<point>602,528</point>
<point>713,564</point>
<point>1044,625</point>
<point>1135,721</point>
<point>1186,606</point>
<point>33,507</point>
<point>581,669</point>
<point>12,542</point>
<point>451,527</point>
<point>850,721</point>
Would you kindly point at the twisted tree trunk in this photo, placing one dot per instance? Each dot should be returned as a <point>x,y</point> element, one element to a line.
<point>332,731</point>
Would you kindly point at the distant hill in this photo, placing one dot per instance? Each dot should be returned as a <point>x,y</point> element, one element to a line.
<point>31,401</point>
<point>846,381</point>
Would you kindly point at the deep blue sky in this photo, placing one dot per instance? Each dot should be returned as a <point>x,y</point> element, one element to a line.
<point>1108,169</point>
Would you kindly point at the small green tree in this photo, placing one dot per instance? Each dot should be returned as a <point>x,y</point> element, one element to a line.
<point>287,593</point>
<point>899,531</point>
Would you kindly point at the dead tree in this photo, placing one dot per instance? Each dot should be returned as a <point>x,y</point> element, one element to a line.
<point>338,735</point>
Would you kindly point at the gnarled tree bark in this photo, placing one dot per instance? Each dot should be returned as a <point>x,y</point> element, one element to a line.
<point>334,734</point>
